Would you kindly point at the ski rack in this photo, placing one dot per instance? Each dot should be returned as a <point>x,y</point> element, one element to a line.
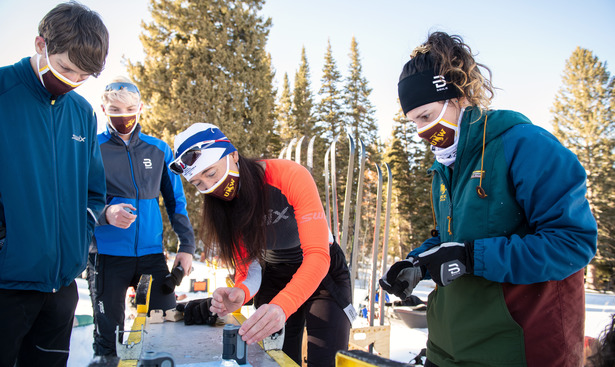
<point>373,335</point>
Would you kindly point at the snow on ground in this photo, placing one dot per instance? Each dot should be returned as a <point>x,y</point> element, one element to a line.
<point>405,342</point>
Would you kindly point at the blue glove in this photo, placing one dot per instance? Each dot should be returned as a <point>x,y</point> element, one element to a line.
<point>447,261</point>
<point>401,278</point>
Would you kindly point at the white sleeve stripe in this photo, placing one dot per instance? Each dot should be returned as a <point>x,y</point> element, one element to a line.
<point>254,278</point>
<point>93,216</point>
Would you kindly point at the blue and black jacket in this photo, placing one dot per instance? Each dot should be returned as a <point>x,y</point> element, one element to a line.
<point>52,182</point>
<point>137,173</point>
<point>533,234</point>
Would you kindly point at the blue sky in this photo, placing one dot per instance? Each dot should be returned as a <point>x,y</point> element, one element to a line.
<point>524,43</point>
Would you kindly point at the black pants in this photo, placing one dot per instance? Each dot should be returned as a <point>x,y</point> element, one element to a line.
<point>109,277</point>
<point>35,327</point>
<point>328,327</point>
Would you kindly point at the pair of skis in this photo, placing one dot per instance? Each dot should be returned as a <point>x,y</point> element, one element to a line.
<point>331,208</point>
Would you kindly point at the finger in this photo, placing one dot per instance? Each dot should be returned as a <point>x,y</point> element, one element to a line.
<point>386,286</point>
<point>267,324</point>
<point>270,325</point>
<point>234,295</point>
<point>220,294</point>
<point>218,308</point>
<point>251,321</point>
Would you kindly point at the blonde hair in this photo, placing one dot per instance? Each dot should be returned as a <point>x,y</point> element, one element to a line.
<point>122,95</point>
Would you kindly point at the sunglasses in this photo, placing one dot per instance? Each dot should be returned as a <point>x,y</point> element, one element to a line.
<point>120,85</point>
<point>191,155</point>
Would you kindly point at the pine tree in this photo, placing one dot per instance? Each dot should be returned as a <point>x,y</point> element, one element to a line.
<point>206,62</point>
<point>303,123</point>
<point>283,112</point>
<point>584,121</point>
<point>329,110</point>
<point>360,111</point>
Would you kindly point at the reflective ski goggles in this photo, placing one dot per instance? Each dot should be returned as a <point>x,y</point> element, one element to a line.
<point>120,85</point>
<point>191,155</point>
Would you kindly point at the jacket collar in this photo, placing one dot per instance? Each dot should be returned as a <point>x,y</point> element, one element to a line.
<point>113,135</point>
<point>33,83</point>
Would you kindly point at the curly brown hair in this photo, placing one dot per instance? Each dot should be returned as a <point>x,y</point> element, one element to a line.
<point>450,56</point>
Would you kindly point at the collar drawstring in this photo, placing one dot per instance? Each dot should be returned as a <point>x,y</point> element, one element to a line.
<point>434,231</point>
<point>479,189</point>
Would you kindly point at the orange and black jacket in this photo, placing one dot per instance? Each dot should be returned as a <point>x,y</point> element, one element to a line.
<point>297,233</point>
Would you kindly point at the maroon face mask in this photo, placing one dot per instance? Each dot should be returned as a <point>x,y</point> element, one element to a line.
<point>439,133</point>
<point>123,124</point>
<point>53,81</point>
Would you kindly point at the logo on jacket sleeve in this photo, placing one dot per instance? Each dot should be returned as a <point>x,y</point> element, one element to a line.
<point>78,138</point>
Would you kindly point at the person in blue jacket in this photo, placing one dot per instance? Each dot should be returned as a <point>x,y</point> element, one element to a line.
<point>513,232</point>
<point>52,185</point>
<point>128,241</point>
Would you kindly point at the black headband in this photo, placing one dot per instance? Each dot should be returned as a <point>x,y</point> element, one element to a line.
<point>422,88</point>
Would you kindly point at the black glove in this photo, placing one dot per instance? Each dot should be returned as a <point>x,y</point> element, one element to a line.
<point>447,261</point>
<point>172,280</point>
<point>197,312</point>
<point>401,278</point>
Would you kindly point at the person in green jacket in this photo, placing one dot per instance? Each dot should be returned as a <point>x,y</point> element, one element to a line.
<point>514,230</point>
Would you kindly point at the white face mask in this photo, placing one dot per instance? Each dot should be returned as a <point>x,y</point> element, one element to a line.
<point>53,81</point>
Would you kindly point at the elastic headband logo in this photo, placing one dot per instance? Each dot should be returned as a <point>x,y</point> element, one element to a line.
<point>439,82</point>
<point>418,89</point>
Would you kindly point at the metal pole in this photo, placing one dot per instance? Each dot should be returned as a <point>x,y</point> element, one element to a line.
<point>385,247</point>
<point>354,254</point>
<point>372,285</point>
<point>349,179</point>
<point>298,150</point>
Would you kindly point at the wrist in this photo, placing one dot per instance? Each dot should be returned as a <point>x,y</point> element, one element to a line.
<point>469,245</point>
